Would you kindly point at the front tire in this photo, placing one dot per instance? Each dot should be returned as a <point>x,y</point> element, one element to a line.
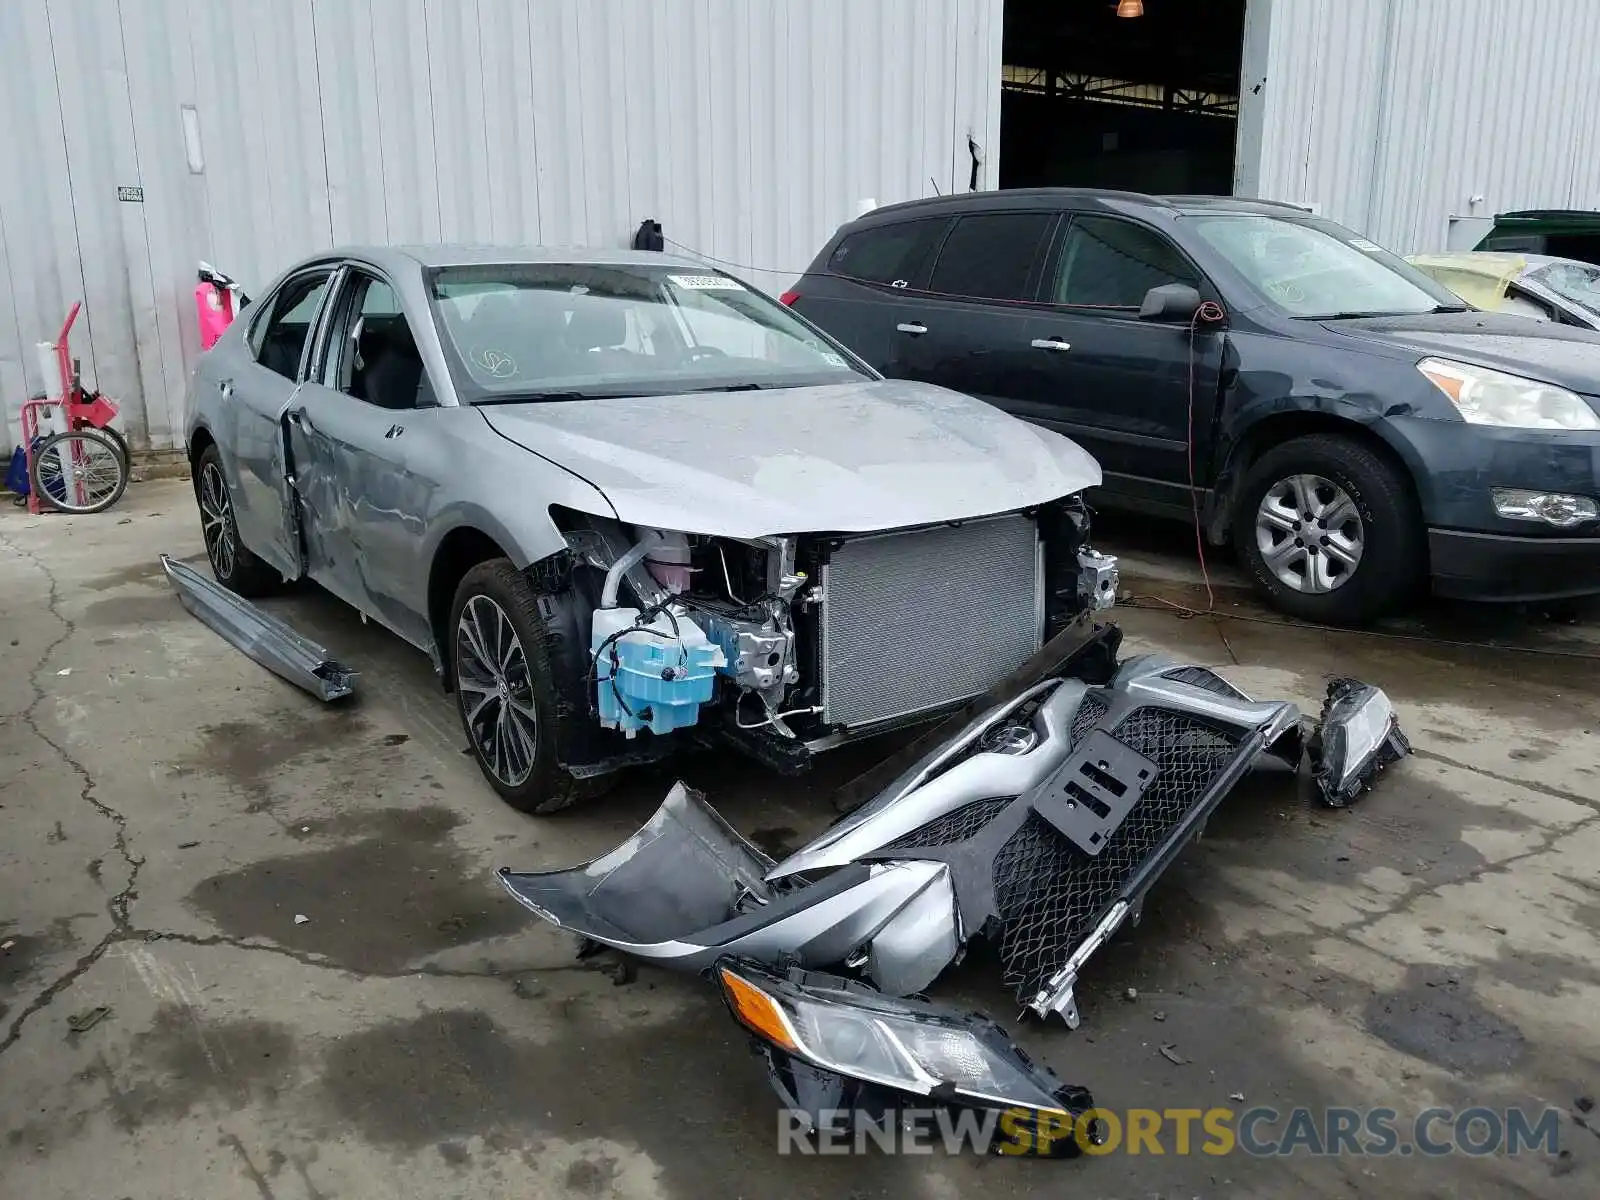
<point>504,658</point>
<point>1328,530</point>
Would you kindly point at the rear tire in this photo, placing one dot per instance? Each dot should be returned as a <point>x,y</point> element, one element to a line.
<point>510,668</point>
<point>1328,529</point>
<point>235,567</point>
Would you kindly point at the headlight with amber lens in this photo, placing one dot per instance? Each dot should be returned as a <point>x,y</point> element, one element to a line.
<point>909,1045</point>
<point>1485,397</point>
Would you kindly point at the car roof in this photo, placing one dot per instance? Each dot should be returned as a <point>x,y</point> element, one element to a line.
<point>1069,197</point>
<point>407,257</point>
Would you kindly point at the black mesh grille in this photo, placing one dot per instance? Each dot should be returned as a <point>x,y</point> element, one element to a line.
<point>955,826</point>
<point>1204,677</point>
<point>1090,709</point>
<point>1049,894</point>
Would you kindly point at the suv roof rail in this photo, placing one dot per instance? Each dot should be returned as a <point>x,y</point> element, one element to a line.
<point>990,196</point>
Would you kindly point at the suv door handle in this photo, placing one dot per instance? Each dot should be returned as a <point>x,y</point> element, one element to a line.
<point>914,328</point>
<point>1050,344</point>
<point>225,386</point>
<point>297,416</point>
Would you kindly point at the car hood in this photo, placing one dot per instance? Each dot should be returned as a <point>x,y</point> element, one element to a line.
<point>1559,354</point>
<point>853,457</point>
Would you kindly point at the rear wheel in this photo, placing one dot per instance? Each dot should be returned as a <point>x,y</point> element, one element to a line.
<point>505,658</point>
<point>1328,529</point>
<point>235,567</point>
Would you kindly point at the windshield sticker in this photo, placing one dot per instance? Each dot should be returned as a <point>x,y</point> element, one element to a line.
<point>706,283</point>
<point>1366,246</point>
<point>497,363</point>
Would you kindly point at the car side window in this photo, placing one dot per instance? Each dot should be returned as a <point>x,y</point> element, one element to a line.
<point>892,254</point>
<point>283,331</point>
<point>373,356</point>
<point>1107,263</point>
<point>991,256</point>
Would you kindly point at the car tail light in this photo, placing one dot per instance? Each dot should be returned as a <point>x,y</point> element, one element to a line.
<point>789,297</point>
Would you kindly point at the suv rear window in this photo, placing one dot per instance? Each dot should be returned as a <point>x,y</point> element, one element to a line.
<point>991,257</point>
<point>887,253</point>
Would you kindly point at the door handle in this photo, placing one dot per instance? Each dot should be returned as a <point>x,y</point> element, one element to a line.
<point>1050,344</point>
<point>394,431</point>
<point>914,328</point>
<point>297,416</point>
<point>225,386</point>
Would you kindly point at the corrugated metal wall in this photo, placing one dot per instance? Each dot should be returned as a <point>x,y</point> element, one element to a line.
<point>750,128</point>
<point>1395,115</point>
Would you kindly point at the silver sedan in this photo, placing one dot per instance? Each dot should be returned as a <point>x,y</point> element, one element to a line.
<point>622,499</point>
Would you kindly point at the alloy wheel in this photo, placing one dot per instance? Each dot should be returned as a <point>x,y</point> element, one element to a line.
<point>216,522</point>
<point>1309,533</point>
<point>496,692</point>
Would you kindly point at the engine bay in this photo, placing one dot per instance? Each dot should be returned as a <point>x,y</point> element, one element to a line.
<point>790,644</point>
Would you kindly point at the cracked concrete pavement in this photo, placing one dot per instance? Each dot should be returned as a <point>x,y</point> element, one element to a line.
<point>169,812</point>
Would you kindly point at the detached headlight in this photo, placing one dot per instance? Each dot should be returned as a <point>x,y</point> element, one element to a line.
<point>908,1045</point>
<point>1359,736</point>
<point>1485,397</point>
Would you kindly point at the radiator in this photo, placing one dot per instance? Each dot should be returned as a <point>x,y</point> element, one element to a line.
<point>916,620</point>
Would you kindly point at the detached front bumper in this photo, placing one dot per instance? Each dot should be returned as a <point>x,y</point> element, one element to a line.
<point>1042,823</point>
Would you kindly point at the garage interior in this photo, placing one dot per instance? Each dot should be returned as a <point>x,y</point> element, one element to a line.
<point>1141,95</point>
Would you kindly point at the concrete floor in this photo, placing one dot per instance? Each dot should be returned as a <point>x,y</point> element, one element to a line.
<point>168,811</point>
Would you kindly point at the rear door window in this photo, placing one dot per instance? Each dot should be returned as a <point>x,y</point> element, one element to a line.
<point>992,256</point>
<point>1107,263</point>
<point>892,254</point>
<point>279,335</point>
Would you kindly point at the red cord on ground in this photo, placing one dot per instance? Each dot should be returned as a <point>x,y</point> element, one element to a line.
<point>1209,310</point>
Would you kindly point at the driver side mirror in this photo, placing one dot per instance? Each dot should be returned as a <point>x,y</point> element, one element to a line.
<point>1170,302</point>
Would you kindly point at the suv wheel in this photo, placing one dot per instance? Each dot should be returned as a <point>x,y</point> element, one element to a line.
<point>504,658</point>
<point>1328,529</point>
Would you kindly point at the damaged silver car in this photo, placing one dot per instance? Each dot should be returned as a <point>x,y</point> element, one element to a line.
<point>622,499</point>
<point>1041,825</point>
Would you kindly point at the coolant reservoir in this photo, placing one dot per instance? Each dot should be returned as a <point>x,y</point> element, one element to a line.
<point>668,560</point>
<point>662,673</point>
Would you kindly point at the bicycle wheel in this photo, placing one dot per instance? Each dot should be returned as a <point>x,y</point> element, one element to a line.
<point>81,471</point>
<point>116,437</point>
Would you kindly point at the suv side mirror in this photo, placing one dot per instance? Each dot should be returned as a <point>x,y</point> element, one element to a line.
<point>1169,302</point>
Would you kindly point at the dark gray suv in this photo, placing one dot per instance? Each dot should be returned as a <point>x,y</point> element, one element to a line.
<point>1353,427</point>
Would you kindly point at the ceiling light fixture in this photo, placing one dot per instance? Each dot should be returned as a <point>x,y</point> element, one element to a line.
<point>1130,8</point>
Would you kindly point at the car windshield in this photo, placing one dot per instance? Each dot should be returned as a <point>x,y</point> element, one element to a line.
<point>573,331</point>
<point>1577,282</point>
<point>1316,269</point>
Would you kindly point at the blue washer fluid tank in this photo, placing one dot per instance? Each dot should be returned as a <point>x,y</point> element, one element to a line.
<point>660,678</point>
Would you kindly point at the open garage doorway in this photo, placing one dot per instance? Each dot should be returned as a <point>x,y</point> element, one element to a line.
<point>1135,94</point>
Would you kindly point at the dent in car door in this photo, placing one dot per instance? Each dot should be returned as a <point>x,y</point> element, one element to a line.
<point>353,429</point>
<point>365,505</point>
<point>256,378</point>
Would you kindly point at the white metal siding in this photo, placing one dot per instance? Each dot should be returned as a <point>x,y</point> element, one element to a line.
<point>750,128</point>
<point>1392,115</point>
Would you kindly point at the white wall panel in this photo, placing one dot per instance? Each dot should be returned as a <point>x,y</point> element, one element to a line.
<point>1396,115</point>
<point>749,128</point>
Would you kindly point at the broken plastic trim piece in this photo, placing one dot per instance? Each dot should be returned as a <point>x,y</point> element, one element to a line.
<point>833,1044</point>
<point>264,638</point>
<point>1359,736</point>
